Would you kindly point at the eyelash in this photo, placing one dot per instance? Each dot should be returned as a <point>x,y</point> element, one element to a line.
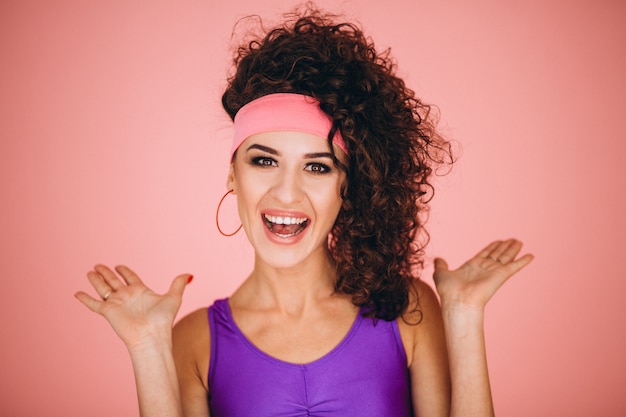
<point>314,167</point>
<point>318,168</point>
<point>262,161</point>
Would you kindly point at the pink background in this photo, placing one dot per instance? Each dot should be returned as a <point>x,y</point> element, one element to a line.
<point>113,149</point>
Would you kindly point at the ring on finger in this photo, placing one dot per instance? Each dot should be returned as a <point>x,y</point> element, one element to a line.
<point>106,296</point>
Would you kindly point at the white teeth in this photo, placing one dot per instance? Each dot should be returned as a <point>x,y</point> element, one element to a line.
<point>285,220</point>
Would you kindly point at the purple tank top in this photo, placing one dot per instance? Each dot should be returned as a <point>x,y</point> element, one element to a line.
<point>365,375</point>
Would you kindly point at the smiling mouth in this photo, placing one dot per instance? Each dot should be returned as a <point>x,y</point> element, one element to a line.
<point>285,227</point>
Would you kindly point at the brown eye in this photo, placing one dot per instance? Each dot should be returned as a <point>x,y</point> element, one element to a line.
<point>318,168</point>
<point>264,161</point>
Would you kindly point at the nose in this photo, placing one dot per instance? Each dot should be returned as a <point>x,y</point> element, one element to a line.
<point>288,187</point>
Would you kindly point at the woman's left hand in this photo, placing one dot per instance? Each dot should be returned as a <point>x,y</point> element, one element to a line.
<point>476,281</point>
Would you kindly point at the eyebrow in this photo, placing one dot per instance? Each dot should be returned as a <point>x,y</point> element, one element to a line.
<point>273,151</point>
<point>267,149</point>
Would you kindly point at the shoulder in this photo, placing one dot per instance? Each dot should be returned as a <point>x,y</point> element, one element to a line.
<point>192,351</point>
<point>423,306</point>
<point>425,345</point>
<point>421,321</point>
<point>192,345</point>
<point>426,301</point>
<point>192,327</point>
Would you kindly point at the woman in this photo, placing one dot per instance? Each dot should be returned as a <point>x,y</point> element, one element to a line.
<point>331,159</point>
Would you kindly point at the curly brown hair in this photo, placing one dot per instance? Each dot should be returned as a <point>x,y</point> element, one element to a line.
<point>378,237</point>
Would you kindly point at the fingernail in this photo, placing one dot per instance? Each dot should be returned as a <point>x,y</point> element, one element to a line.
<point>189,279</point>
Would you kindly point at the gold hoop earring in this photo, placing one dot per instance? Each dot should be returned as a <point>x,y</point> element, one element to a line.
<point>217,218</point>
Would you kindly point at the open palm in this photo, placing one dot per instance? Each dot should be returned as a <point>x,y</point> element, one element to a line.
<point>476,281</point>
<point>135,312</point>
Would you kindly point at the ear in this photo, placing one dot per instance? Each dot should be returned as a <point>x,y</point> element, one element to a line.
<point>230,180</point>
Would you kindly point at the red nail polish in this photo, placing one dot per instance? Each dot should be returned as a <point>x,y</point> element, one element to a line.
<point>189,279</point>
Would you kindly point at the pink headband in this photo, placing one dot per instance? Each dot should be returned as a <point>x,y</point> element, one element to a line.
<point>283,112</point>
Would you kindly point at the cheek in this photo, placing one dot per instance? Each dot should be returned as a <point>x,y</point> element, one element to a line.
<point>247,198</point>
<point>329,203</point>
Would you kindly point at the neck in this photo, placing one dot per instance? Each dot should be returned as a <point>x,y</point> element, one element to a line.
<point>290,290</point>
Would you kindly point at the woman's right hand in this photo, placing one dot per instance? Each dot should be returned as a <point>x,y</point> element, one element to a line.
<point>138,315</point>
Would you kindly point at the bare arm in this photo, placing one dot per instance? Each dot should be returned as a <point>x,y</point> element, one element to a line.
<point>428,361</point>
<point>143,320</point>
<point>468,363</point>
<point>464,293</point>
<point>192,350</point>
<point>155,378</point>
